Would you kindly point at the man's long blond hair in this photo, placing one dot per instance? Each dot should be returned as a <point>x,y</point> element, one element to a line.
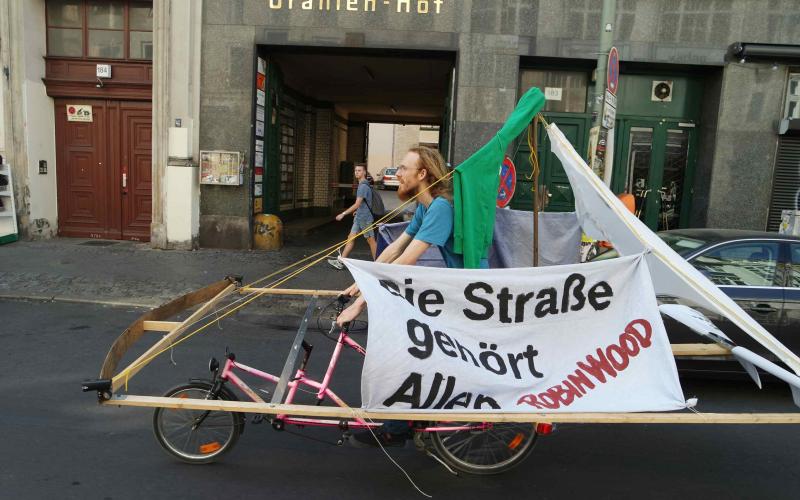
<point>431,160</point>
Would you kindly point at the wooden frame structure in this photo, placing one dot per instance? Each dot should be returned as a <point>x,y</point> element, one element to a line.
<point>157,320</point>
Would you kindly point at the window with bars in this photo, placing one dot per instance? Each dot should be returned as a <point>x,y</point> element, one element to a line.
<point>112,29</point>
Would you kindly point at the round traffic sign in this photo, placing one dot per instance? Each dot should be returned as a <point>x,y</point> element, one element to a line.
<point>613,70</point>
<point>508,183</point>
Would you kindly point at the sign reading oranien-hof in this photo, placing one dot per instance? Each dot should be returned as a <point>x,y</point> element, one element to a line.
<point>401,6</point>
<point>79,113</point>
<point>220,167</point>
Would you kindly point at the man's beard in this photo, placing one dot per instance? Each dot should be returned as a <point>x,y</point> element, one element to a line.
<point>405,193</point>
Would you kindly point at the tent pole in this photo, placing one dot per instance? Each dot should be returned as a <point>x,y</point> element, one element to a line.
<point>534,161</point>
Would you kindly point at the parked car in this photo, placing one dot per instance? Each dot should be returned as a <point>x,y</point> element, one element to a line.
<point>387,178</point>
<point>758,270</point>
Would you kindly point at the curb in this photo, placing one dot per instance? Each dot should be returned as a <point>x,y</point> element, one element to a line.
<point>279,321</point>
<point>77,300</point>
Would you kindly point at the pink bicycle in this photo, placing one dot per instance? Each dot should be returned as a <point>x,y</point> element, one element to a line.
<point>203,436</point>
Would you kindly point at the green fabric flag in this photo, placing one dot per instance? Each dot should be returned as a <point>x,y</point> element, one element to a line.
<point>476,180</point>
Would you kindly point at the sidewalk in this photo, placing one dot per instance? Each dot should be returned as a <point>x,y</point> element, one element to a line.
<point>133,274</point>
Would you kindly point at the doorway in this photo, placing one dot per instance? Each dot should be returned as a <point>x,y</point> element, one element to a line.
<point>312,111</point>
<point>104,169</point>
<point>656,161</point>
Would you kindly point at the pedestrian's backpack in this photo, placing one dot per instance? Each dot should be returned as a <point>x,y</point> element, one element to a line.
<point>376,208</point>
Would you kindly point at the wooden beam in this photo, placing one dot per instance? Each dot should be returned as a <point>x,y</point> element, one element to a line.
<point>135,331</point>
<point>160,326</point>
<point>699,350</point>
<point>486,416</point>
<point>289,291</point>
<point>126,374</point>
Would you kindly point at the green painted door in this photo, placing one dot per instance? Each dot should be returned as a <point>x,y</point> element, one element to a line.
<point>272,139</point>
<point>552,176</point>
<point>655,162</point>
<point>446,129</point>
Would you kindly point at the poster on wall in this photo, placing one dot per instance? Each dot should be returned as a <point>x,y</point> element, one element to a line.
<point>259,145</point>
<point>258,190</point>
<point>259,129</point>
<point>261,82</point>
<point>220,167</point>
<point>260,113</point>
<point>258,205</point>
<point>259,158</point>
<point>261,97</point>
<point>262,66</point>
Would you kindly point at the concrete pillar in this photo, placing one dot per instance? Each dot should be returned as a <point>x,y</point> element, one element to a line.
<point>176,97</point>
<point>487,74</point>
<point>745,145</point>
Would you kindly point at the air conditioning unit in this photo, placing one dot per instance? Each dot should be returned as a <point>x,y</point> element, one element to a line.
<point>662,91</point>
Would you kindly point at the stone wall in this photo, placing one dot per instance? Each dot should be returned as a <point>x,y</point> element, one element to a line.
<point>324,153</point>
<point>488,37</point>
<point>405,137</point>
<point>751,101</point>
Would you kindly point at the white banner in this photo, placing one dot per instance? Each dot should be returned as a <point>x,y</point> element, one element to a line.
<point>577,338</point>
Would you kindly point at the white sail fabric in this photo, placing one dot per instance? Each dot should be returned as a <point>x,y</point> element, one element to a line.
<point>603,216</point>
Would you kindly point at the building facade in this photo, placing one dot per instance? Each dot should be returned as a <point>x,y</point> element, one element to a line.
<point>262,106</point>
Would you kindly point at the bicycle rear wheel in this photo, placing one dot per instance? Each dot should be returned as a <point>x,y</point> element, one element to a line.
<point>484,451</point>
<point>195,436</point>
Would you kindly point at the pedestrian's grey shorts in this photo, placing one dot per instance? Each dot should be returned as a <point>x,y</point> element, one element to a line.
<point>361,223</point>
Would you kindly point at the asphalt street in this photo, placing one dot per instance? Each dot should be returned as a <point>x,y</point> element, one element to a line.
<point>58,443</point>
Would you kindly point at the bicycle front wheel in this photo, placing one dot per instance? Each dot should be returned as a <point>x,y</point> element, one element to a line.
<point>195,436</point>
<point>485,449</point>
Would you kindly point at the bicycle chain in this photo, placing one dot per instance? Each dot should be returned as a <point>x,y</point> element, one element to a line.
<point>299,434</point>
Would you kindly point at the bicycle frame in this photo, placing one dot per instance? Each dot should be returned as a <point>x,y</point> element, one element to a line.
<point>322,388</point>
<point>323,391</point>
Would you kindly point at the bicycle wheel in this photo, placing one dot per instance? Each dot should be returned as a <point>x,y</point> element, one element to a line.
<point>195,436</point>
<point>492,450</point>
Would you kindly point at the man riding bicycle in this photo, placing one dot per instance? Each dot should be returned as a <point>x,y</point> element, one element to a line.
<point>420,174</point>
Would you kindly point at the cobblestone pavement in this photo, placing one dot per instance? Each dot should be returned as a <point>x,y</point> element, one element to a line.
<point>133,274</point>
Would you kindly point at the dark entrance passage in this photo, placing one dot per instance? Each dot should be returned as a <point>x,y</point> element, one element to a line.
<point>312,111</point>
<point>104,170</point>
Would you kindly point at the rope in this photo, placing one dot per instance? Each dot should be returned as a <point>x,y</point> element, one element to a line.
<point>254,295</point>
<point>533,133</point>
<point>333,248</point>
<point>359,415</point>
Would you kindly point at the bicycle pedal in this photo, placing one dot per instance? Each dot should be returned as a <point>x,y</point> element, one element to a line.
<point>419,441</point>
<point>342,440</point>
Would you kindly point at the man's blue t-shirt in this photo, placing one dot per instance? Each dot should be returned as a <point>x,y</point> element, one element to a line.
<point>434,225</point>
<point>364,191</point>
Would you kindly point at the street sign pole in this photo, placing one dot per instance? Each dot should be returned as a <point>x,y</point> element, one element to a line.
<point>603,83</point>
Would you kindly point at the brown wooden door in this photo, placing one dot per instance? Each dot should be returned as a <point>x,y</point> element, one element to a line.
<point>94,160</point>
<point>82,172</point>
<point>136,165</point>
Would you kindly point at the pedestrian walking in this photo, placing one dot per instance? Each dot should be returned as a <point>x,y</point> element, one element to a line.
<point>362,217</point>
